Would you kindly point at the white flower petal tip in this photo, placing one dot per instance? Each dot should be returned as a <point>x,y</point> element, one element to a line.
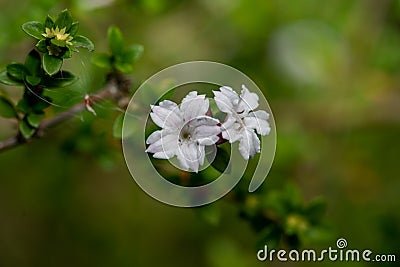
<point>185,131</point>
<point>242,121</point>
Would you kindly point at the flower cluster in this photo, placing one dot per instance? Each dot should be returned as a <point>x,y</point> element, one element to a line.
<point>187,128</point>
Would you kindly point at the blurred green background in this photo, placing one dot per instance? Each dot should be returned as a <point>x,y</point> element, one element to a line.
<point>331,73</point>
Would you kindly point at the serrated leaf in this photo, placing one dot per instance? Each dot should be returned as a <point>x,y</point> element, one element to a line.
<point>16,71</point>
<point>82,41</point>
<point>221,160</point>
<point>51,64</point>
<point>133,53</point>
<point>5,79</point>
<point>64,20</point>
<point>74,29</point>
<point>7,109</point>
<point>25,129</point>
<point>32,62</point>
<point>33,80</point>
<point>34,119</point>
<point>102,60</point>
<point>115,40</point>
<point>34,29</point>
<point>42,46</point>
<point>49,22</point>
<point>61,79</point>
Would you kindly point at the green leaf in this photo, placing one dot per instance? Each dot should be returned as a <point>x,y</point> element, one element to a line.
<point>56,42</point>
<point>82,41</point>
<point>5,79</point>
<point>121,129</point>
<point>124,67</point>
<point>34,29</point>
<point>16,71</point>
<point>64,20</point>
<point>42,46</point>
<point>34,119</point>
<point>33,80</point>
<point>67,54</point>
<point>117,127</point>
<point>102,60</point>
<point>25,129</point>
<point>41,104</point>
<point>74,29</point>
<point>49,22</point>
<point>51,64</point>
<point>115,40</point>
<point>7,109</point>
<point>221,160</point>
<point>23,106</point>
<point>61,79</point>
<point>32,63</point>
<point>133,53</point>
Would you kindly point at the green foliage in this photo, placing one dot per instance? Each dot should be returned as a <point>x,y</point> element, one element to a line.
<point>7,109</point>
<point>57,40</point>
<point>121,58</point>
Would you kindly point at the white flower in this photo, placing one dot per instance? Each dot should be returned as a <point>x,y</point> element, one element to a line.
<point>186,130</point>
<point>242,121</point>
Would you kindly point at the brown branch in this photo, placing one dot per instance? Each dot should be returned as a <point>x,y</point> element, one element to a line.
<point>115,89</point>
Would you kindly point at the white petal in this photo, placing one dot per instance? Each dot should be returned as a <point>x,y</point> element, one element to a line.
<point>249,145</point>
<point>262,126</point>
<point>203,120</point>
<point>232,134</point>
<point>226,99</point>
<point>191,153</point>
<point>205,131</point>
<point>166,144</point>
<point>153,137</point>
<point>193,106</point>
<point>261,114</point>
<point>248,100</point>
<point>229,122</point>
<point>166,115</point>
<point>208,141</point>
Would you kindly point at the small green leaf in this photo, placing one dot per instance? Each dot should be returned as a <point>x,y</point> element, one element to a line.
<point>5,79</point>
<point>124,67</point>
<point>133,53</point>
<point>64,20</point>
<point>33,80</point>
<point>7,109</point>
<point>82,41</point>
<point>32,62</point>
<point>67,54</point>
<point>115,40</point>
<point>56,42</point>
<point>61,79</point>
<point>34,119</point>
<point>16,71</point>
<point>51,64</point>
<point>102,60</point>
<point>23,106</point>
<point>117,127</point>
<point>74,29</point>
<point>221,161</point>
<point>25,129</point>
<point>42,46</point>
<point>49,22</point>
<point>34,29</point>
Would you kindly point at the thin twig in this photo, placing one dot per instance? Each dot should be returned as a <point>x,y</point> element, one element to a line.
<point>113,89</point>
